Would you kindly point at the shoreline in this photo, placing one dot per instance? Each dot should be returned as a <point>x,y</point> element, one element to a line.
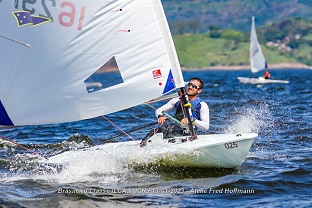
<point>247,67</point>
<point>290,65</point>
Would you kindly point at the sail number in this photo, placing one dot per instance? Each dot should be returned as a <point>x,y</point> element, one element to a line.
<point>66,19</point>
<point>230,145</point>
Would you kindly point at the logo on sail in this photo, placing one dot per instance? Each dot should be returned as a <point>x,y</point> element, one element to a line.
<point>157,74</point>
<point>24,18</point>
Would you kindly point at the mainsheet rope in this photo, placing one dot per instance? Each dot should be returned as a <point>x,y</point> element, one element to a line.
<point>4,138</point>
<point>121,129</point>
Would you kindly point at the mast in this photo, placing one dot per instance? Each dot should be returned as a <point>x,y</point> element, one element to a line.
<point>175,65</point>
<point>188,112</point>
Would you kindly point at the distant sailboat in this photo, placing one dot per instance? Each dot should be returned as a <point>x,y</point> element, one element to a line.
<point>61,71</point>
<point>257,61</point>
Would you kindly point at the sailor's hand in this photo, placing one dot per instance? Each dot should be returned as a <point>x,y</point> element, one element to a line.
<point>184,121</point>
<point>162,119</point>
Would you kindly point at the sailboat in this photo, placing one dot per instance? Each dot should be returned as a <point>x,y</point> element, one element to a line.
<point>257,61</point>
<point>70,61</point>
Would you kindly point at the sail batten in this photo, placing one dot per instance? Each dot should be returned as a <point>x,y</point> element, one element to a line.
<point>45,83</point>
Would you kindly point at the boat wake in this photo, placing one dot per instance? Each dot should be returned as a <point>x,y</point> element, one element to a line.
<point>113,163</point>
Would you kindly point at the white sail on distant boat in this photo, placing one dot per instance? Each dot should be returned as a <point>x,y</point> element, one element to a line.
<point>257,61</point>
<point>56,63</point>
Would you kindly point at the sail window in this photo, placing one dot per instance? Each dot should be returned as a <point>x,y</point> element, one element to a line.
<point>106,76</point>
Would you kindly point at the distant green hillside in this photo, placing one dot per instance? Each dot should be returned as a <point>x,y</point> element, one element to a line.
<point>286,41</point>
<point>198,51</point>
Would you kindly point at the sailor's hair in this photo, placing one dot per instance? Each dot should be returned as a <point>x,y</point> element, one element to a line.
<point>199,80</point>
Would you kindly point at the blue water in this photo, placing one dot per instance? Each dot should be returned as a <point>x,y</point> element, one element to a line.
<point>276,173</point>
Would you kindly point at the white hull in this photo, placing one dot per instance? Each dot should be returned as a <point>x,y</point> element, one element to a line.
<point>207,151</point>
<point>260,80</point>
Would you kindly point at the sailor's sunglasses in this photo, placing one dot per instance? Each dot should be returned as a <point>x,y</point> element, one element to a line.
<point>190,84</point>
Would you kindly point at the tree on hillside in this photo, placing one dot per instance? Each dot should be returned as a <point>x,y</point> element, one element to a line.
<point>215,31</point>
<point>182,27</point>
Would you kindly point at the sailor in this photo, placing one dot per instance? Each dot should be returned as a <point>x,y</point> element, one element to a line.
<point>266,75</point>
<point>200,112</point>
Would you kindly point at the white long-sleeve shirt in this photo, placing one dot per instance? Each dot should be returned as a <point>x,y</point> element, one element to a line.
<point>202,124</point>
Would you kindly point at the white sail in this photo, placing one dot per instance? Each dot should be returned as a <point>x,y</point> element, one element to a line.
<point>51,53</point>
<point>257,60</point>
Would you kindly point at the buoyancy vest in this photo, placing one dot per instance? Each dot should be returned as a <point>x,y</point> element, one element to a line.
<point>196,106</point>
